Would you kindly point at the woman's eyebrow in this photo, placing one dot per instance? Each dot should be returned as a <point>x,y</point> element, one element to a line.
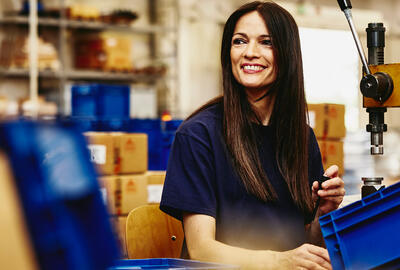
<point>244,35</point>
<point>240,34</point>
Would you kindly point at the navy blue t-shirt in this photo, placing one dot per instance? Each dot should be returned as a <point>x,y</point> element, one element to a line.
<point>201,179</point>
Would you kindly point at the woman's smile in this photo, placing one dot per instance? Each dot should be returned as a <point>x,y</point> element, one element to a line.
<point>252,68</point>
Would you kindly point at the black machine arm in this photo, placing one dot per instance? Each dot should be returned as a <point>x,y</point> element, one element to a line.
<point>378,86</point>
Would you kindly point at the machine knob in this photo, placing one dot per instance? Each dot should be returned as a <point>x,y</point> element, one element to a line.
<point>378,86</point>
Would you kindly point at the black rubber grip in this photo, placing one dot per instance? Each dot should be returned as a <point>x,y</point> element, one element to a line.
<point>320,181</point>
<point>344,4</point>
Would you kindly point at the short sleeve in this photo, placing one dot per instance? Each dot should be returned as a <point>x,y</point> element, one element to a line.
<point>190,180</point>
<point>315,166</point>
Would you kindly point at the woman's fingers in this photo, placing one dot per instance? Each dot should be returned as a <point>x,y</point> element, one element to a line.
<point>331,192</point>
<point>321,258</point>
<point>312,257</point>
<point>332,171</point>
<point>319,251</point>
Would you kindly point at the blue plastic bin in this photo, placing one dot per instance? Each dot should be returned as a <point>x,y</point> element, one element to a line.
<point>100,100</point>
<point>365,234</point>
<point>152,127</point>
<point>172,125</point>
<point>165,263</point>
<point>169,130</point>
<point>113,101</point>
<point>84,100</point>
<point>160,137</point>
<point>113,124</point>
<point>66,218</point>
<point>81,124</point>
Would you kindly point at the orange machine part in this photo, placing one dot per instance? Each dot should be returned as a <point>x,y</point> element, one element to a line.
<point>394,100</point>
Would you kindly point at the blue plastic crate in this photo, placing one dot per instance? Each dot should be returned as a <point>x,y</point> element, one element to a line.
<point>168,138</point>
<point>365,234</point>
<point>113,124</point>
<point>166,263</point>
<point>100,100</point>
<point>113,101</point>
<point>172,125</point>
<point>59,193</point>
<point>81,124</point>
<point>84,100</point>
<point>152,127</point>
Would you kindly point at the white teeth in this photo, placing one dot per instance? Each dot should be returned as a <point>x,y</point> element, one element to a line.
<point>253,67</point>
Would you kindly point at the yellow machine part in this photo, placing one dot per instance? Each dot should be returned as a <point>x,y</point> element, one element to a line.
<point>16,250</point>
<point>394,100</point>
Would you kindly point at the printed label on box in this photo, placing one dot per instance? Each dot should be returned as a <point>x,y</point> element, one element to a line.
<point>311,117</point>
<point>154,193</point>
<point>97,153</point>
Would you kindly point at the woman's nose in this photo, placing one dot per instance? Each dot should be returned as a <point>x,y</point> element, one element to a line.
<point>252,50</point>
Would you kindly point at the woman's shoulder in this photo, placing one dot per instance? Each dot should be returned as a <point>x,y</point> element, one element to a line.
<point>208,120</point>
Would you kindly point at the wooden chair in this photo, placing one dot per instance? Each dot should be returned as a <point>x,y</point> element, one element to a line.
<point>150,233</point>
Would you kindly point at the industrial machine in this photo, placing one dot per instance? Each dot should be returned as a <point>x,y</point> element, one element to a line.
<point>380,86</point>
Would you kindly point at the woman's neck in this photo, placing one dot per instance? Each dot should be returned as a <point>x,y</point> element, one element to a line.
<point>262,105</point>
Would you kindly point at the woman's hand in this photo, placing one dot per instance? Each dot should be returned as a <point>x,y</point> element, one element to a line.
<point>306,256</point>
<point>332,191</point>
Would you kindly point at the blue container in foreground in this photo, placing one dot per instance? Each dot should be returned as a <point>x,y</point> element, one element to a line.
<point>165,263</point>
<point>57,186</point>
<point>365,234</point>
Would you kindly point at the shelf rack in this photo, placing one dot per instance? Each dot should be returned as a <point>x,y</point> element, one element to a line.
<point>65,74</point>
<point>75,24</point>
<point>82,75</point>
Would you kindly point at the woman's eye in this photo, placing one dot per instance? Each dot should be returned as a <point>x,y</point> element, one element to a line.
<point>267,42</point>
<point>238,41</point>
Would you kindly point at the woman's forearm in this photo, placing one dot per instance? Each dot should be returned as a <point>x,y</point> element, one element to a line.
<point>215,251</point>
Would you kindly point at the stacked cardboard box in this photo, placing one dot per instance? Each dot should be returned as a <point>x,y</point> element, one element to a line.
<point>125,182</point>
<point>327,121</point>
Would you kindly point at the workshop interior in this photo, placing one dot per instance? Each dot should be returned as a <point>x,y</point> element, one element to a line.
<point>93,91</point>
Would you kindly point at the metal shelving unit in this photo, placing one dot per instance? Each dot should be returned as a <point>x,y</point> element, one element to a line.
<point>81,75</point>
<point>63,25</point>
<point>74,24</point>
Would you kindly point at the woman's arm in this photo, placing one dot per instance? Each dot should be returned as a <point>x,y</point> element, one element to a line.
<point>200,239</point>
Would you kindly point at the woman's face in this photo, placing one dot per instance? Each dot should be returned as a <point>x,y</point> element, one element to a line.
<point>252,55</point>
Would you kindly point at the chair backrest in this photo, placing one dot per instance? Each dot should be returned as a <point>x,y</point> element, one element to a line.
<point>150,233</point>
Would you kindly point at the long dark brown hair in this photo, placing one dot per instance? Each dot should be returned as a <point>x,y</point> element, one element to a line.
<point>289,115</point>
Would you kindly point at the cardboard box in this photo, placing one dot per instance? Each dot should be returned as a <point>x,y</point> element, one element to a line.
<point>327,120</point>
<point>124,192</point>
<point>332,154</point>
<point>118,152</point>
<point>117,50</point>
<point>102,153</point>
<point>131,151</point>
<point>155,184</point>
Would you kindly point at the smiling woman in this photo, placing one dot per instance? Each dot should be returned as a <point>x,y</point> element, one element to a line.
<point>243,168</point>
<point>252,55</point>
